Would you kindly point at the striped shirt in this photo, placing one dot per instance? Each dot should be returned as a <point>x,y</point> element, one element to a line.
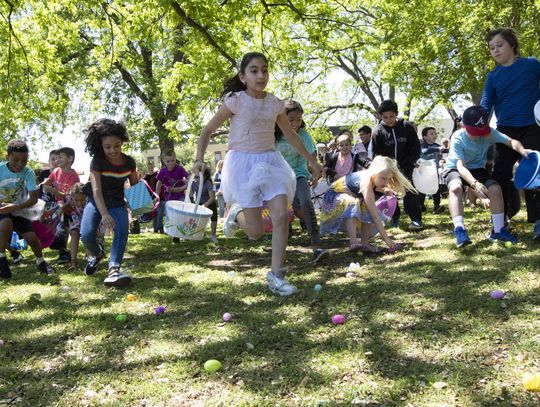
<point>112,178</point>
<point>512,91</point>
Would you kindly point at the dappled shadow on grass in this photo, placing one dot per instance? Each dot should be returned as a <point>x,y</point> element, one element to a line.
<point>397,302</point>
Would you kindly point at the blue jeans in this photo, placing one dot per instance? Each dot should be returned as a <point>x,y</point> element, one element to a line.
<point>89,227</point>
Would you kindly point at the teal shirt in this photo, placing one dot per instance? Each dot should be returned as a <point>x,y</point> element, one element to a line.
<point>293,157</point>
<point>473,152</point>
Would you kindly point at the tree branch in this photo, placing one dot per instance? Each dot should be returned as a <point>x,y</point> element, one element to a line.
<point>192,23</point>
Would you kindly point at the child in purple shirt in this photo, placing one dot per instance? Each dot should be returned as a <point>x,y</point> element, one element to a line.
<point>170,184</point>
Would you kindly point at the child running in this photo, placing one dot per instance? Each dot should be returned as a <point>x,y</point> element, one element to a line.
<point>302,204</point>
<point>253,170</point>
<point>18,191</point>
<point>109,169</point>
<point>350,203</point>
<point>467,163</point>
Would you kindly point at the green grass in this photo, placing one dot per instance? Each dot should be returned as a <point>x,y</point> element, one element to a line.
<point>421,328</point>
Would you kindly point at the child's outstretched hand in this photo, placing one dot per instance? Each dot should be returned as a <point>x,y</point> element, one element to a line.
<point>481,190</point>
<point>108,221</point>
<point>390,243</point>
<point>198,166</point>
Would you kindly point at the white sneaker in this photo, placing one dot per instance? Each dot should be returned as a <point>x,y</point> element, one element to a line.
<point>230,226</point>
<point>115,278</point>
<point>280,285</point>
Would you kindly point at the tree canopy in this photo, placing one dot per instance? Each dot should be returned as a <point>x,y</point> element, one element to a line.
<point>161,64</point>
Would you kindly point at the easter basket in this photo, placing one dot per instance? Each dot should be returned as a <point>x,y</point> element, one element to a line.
<point>32,213</point>
<point>185,219</point>
<point>141,199</point>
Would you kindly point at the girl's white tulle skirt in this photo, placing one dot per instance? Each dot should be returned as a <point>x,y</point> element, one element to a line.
<point>251,178</point>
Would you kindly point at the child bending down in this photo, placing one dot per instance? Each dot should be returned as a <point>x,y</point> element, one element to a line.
<point>349,203</point>
<point>467,164</point>
<point>73,211</point>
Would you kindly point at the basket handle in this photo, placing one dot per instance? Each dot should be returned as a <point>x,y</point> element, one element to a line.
<point>152,193</point>
<point>199,193</point>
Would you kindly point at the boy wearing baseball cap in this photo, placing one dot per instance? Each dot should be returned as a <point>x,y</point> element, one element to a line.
<point>466,162</point>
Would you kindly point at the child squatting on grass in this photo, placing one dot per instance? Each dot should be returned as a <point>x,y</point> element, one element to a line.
<point>109,170</point>
<point>467,163</point>
<point>18,191</point>
<point>253,170</point>
<point>349,203</point>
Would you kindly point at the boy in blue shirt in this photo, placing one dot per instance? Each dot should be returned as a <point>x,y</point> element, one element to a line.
<point>18,191</point>
<point>466,162</point>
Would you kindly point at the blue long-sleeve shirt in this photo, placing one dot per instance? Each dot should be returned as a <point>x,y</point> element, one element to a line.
<point>512,91</point>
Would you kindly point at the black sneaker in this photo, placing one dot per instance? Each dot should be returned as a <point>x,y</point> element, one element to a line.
<point>93,263</point>
<point>17,256</point>
<point>116,279</point>
<point>320,255</point>
<point>46,268</point>
<point>5,272</point>
<point>63,257</point>
<point>176,240</point>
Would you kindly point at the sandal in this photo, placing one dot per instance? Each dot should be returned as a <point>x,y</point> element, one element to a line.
<point>373,251</point>
<point>354,247</point>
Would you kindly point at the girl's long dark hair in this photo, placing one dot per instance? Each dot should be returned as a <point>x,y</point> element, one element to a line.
<point>290,106</point>
<point>234,84</point>
<point>97,131</point>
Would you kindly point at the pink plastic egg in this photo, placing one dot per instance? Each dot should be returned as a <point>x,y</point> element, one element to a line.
<point>227,317</point>
<point>338,319</point>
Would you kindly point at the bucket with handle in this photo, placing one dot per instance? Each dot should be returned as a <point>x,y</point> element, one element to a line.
<point>425,177</point>
<point>185,219</point>
<point>537,112</point>
<point>528,172</point>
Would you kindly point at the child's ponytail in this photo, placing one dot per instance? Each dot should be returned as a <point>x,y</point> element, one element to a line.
<point>233,84</point>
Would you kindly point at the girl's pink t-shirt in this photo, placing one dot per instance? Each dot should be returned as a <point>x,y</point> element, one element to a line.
<point>343,165</point>
<point>253,121</point>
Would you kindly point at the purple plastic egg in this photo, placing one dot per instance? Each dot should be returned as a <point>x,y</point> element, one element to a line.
<point>160,310</point>
<point>227,317</point>
<point>338,319</point>
<point>497,294</point>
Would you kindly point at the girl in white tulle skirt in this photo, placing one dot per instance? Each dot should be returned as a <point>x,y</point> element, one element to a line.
<point>253,171</point>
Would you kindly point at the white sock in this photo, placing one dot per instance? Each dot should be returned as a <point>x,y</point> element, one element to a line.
<point>498,222</point>
<point>458,221</point>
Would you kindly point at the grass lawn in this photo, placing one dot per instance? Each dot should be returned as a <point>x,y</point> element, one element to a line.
<point>421,327</point>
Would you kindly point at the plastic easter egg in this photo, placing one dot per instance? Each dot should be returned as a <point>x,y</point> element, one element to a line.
<point>227,317</point>
<point>497,294</point>
<point>160,310</point>
<point>212,366</point>
<point>1,342</point>
<point>508,244</point>
<point>231,274</point>
<point>317,288</point>
<point>350,274</point>
<point>338,319</point>
<point>121,318</point>
<point>131,297</point>
<point>66,288</point>
<point>531,381</point>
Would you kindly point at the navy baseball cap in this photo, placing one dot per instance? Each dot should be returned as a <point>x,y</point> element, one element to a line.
<point>476,121</point>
